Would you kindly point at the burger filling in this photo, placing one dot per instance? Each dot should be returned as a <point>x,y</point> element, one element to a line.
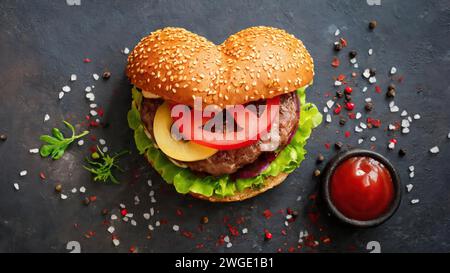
<point>213,171</point>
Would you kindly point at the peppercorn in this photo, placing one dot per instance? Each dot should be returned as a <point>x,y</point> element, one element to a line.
<point>320,158</point>
<point>337,46</point>
<point>372,72</point>
<point>95,155</point>
<point>339,94</point>
<point>391,86</point>
<point>3,137</point>
<point>58,188</point>
<point>402,152</point>
<point>338,145</point>
<point>352,54</point>
<point>105,212</point>
<point>317,173</point>
<point>369,106</point>
<point>372,24</point>
<point>390,93</point>
<point>205,220</point>
<point>86,201</point>
<point>348,97</point>
<point>342,122</point>
<point>294,214</point>
<point>106,75</point>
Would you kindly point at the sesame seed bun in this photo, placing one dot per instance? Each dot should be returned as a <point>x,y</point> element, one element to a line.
<point>255,63</point>
<point>269,183</point>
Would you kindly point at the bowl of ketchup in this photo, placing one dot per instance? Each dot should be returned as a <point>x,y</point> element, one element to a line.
<point>361,187</point>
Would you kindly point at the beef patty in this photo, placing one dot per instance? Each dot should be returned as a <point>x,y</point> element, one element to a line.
<point>229,161</point>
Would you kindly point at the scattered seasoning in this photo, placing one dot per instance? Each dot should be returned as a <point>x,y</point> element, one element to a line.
<point>267,214</point>
<point>343,42</point>
<point>3,137</point>
<point>23,173</point>
<point>348,90</point>
<point>372,24</point>
<point>350,106</point>
<point>204,220</point>
<point>317,173</point>
<point>58,187</point>
<point>434,150</point>
<point>63,196</point>
<point>105,212</point>
<point>415,201</point>
<point>86,201</point>
<point>87,60</point>
<point>339,94</point>
<point>42,175</point>
<point>409,187</point>
<point>335,62</point>
<point>342,121</point>
<point>338,145</point>
<point>267,235</point>
<point>369,106</point>
<point>347,134</point>
<point>391,91</point>
<point>352,54</point>
<point>320,158</point>
<point>402,152</point>
<point>106,75</point>
<point>337,46</point>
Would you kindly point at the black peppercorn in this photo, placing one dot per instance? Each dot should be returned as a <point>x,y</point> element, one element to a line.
<point>391,86</point>
<point>390,93</point>
<point>369,106</point>
<point>105,212</point>
<point>106,75</point>
<point>373,72</point>
<point>348,97</point>
<point>339,94</point>
<point>342,122</point>
<point>337,46</point>
<point>86,201</point>
<point>352,54</point>
<point>372,24</point>
<point>320,158</point>
<point>338,145</point>
<point>402,152</point>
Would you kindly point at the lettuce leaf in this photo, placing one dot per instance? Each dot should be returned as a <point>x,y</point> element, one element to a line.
<point>186,181</point>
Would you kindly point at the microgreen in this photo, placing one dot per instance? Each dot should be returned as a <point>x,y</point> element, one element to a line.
<point>57,143</point>
<point>102,167</point>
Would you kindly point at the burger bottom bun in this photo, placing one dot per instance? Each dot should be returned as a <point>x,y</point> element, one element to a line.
<point>269,183</point>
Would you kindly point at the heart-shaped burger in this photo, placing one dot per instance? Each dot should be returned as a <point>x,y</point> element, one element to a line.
<point>263,67</point>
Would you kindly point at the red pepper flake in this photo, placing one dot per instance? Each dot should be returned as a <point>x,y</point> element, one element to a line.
<point>347,134</point>
<point>289,211</point>
<point>240,220</point>
<point>42,175</point>
<point>133,249</point>
<point>226,219</point>
<point>375,122</point>
<point>341,77</point>
<point>325,239</point>
<point>124,212</point>
<point>393,141</point>
<point>163,221</point>
<point>233,230</point>
<point>179,212</point>
<point>335,62</point>
<point>89,234</point>
<point>338,109</point>
<point>279,250</point>
<point>343,42</point>
<point>87,60</point>
<point>378,89</point>
<point>187,234</point>
<point>327,146</point>
<point>350,106</point>
<point>291,249</point>
<point>221,240</point>
<point>199,245</point>
<point>93,198</point>
<point>283,232</point>
<point>93,138</point>
<point>267,213</point>
<point>348,90</point>
<point>267,235</point>
<point>87,117</point>
<point>313,217</point>
<point>100,111</point>
<point>351,115</point>
<point>93,149</point>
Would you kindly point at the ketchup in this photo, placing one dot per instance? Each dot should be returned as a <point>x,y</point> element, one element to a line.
<point>361,188</point>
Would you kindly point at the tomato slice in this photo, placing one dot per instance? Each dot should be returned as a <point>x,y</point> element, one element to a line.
<point>251,127</point>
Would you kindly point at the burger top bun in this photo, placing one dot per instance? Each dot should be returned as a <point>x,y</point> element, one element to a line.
<point>255,63</point>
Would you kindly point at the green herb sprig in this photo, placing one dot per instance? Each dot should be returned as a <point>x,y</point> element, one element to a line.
<point>57,144</point>
<point>103,166</point>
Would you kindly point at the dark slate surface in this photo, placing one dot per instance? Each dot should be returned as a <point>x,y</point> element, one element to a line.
<point>43,42</point>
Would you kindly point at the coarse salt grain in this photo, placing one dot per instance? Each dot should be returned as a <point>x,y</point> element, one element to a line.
<point>34,151</point>
<point>146,216</point>
<point>368,100</point>
<point>325,109</point>
<point>63,196</point>
<point>330,104</point>
<point>328,118</point>
<point>404,113</point>
<point>46,117</point>
<point>23,173</point>
<point>150,227</point>
<point>93,105</point>
<point>176,228</point>
<point>153,200</point>
<point>364,89</point>
<point>337,83</point>
<point>358,129</point>
<point>415,201</point>
<point>152,211</point>
<point>113,217</point>
<point>125,219</point>
<point>149,183</point>
<point>244,231</point>
<point>409,187</point>
<point>129,215</point>
<point>126,50</point>
<point>95,76</point>
<point>373,139</point>
<point>360,141</point>
<point>392,127</point>
<point>434,150</point>
<point>102,141</point>
<point>363,125</point>
<point>411,175</point>
<point>66,88</point>
<point>74,190</point>
<point>133,222</point>
<point>122,206</point>
<point>111,229</point>
<point>416,116</point>
<point>394,109</point>
<point>73,77</point>
<point>61,95</point>
<point>226,239</point>
<point>88,89</point>
<point>116,242</point>
<point>355,65</point>
<point>393,70</point>
<point>405,123</point>
<point>157,223</point>
<point>448,136</point>
<point>366,73</point>
<point>337,32</point>
<point>405,131</point>
<point>105,149</point>
<point>358,115</point>
<point>373,79</point>
<point>80,142</point>
<point>16,186</point>
<point>90,96</point>
<point>391,145</point>
<point>353,60</point>
<point>82,189</point>
<point>370,52</point>
<point>229,245</point>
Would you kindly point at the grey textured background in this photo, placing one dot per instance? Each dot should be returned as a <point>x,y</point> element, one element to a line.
<point>43,42</point>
